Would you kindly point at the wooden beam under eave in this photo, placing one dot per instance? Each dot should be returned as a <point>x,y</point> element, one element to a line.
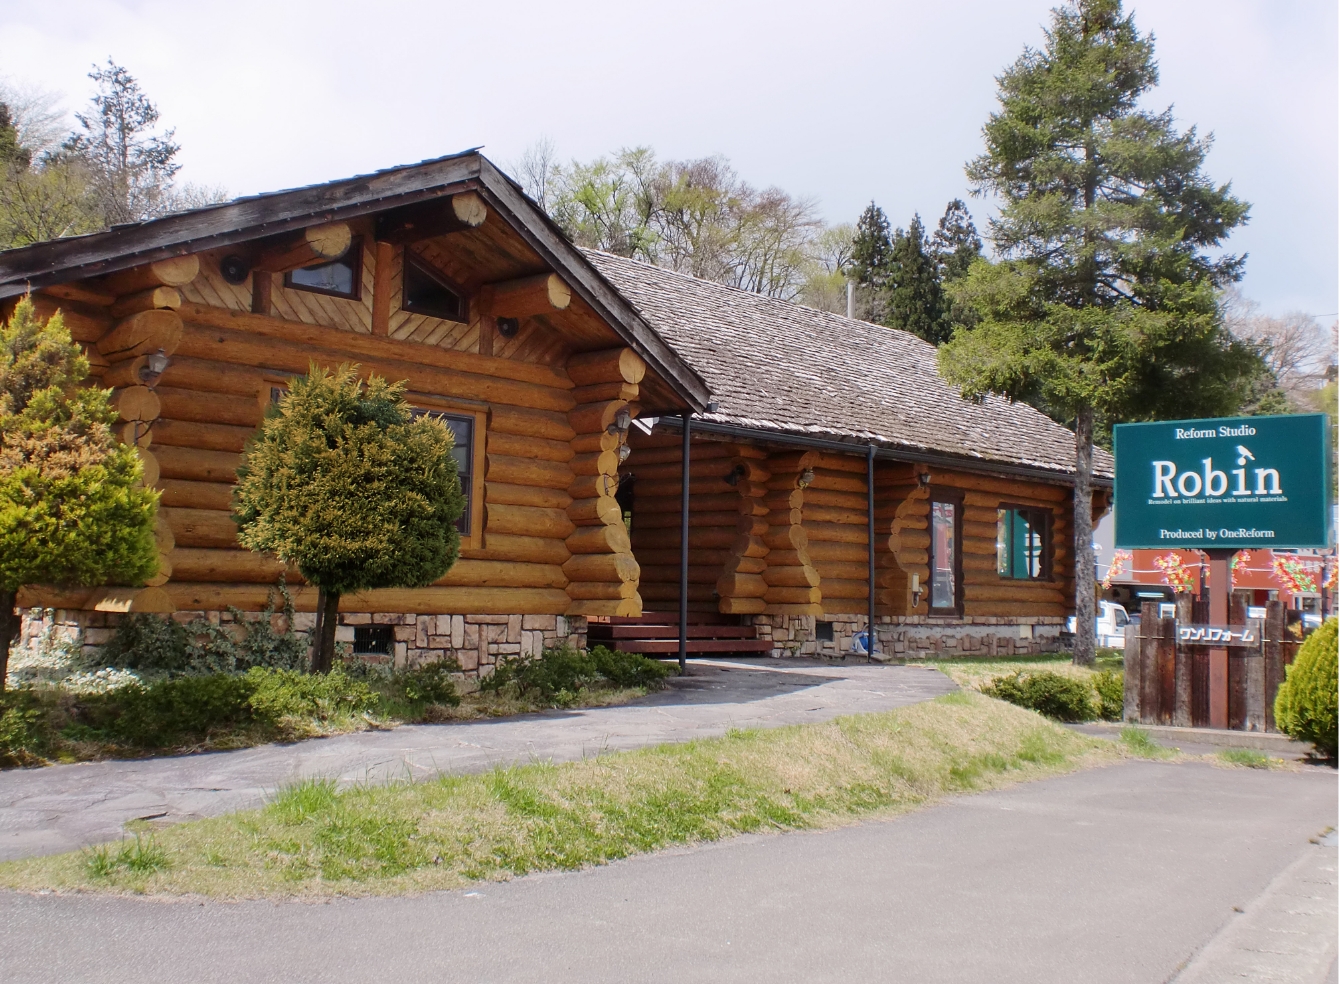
<point>383,257</point>
<point>315,244</point>
<point>262,291</point>
<point>529,296</point>
<point>176,271</point>
<point>426,220</point>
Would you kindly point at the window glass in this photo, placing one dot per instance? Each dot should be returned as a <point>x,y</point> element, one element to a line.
<point>426,293</point>
<point>944,533</point>
<point>463,430</point>
<point>339,277</point>
<point>1021,543</point>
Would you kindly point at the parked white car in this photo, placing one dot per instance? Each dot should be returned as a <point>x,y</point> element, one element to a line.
<point>1109,625</point>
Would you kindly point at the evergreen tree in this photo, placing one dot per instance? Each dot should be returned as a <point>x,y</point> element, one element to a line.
<point>1104,307</point>
<point>73,510</point>
<point>130,166</point>
<point>871,249</point>
<point>914,301</point>
<point>956,243</point>
<point>12,153</point>
<point>344,483</point>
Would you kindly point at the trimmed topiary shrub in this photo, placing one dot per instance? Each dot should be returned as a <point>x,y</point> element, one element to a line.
<point>1058,697</point>
<point>1305,707</point>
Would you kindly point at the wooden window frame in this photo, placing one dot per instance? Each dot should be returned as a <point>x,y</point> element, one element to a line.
<point>1048,547</point>
<point>953,497</point>
<point>407,257</point>
<point>464,408</point>
<point>355,251</point>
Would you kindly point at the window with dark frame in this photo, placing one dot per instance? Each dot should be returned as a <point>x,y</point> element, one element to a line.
<point>1023,543</point>
<point>823,631</point>
<point>946,553</point>
<point>463,430</point>
<point>338,278</point>
<point>374,640</point>
<point>427,292</point>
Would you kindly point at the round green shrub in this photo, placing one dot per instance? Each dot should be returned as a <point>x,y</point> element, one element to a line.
<point>628,669</point>
<point>1050,694</point>
<point>1305,707</point>
<point>1111,690</point>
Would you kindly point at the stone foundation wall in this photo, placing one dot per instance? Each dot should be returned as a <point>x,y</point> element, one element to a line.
<point>475,641</point>
<point>914,637</point>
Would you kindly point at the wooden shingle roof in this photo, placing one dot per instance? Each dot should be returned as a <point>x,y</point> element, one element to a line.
<point>780,367</point>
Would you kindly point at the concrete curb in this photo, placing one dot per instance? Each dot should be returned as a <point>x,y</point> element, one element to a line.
<point>1263,740</point>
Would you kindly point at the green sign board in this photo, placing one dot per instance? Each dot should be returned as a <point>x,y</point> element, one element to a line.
<point>1231,483</point>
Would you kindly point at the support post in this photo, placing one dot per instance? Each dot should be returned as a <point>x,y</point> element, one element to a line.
<point>870,635</point>
<point>684,549</point>
<point>1219,589</point>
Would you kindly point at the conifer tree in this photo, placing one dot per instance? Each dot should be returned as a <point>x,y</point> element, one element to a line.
<point>1104,307</point>
<point>914,300</point>
<point>344,483</point>
<point>73,510</point>
<point>955,243</point>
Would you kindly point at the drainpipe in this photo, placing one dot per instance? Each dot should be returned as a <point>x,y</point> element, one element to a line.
<point>684,548</point>
<point>870,517</point>
<point>851,299</point>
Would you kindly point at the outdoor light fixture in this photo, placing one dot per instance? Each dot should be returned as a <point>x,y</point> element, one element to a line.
<point>712,406</point>
<point>924,479</point>
<point>235,269</point>
<point>154,366</point>
<point>622,420</point>
<point>916,590</point>
<point>624,452</point>
<point>507,327</point>
<point>736,473</point>
<point>806,477</point>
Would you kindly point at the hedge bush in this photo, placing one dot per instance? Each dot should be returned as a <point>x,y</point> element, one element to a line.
<point>1050,694</point>
<point>1111,688</point>
<point>628,669</point>
<point>557,674</point>
<point>1305,707</point>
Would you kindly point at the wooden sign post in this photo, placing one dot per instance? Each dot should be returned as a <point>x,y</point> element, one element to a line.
<point>1220,588</point>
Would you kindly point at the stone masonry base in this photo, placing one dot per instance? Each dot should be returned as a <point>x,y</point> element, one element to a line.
<point>916,637</point>
<point>475,641</point>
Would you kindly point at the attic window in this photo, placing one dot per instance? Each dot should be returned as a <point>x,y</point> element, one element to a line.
<point>338,278</point>
<point>427,293</point>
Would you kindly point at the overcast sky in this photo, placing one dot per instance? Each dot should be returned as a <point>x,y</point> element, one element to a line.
<point>844,101</point>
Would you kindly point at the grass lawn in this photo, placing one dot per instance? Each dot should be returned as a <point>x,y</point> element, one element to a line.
<point>314,840</point>
<point>976,672</point>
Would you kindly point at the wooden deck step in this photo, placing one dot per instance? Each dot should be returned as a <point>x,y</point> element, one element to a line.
<point>598,631</point>
<point>650,647</point>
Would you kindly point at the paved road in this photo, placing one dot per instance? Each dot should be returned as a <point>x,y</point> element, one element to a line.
<point>1120,874</point>
<point>62,808</point>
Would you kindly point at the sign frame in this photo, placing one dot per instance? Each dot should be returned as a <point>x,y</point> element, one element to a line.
<point>1228,483</point>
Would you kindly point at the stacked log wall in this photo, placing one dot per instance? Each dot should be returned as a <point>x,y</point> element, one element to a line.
<point>793,581</point>
<point>716,523</point>
<point>836,523</point>
<point>603,572</point>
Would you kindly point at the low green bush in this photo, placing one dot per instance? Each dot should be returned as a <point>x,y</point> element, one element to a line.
<point>166,713</point>
<point>277,694</point>
<point>21,727</point>
<point>628,669</point>
<point>161,646</point>
<point>1111,688</point>
<point>553,676</point>
<point>1305,707</point>
<point>1058,697</point>
<point>430,683</point>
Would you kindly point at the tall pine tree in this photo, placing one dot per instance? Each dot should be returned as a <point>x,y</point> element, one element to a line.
<point>955,243</point>
<point>915,302</point>
<point>1104,307</point>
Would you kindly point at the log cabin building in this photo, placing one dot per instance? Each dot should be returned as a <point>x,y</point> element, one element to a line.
<point>567,376</point>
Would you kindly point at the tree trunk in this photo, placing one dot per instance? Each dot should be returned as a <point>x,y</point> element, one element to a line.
<point>1084,562</point>
<point>327,617</point>
<point>10,622</point>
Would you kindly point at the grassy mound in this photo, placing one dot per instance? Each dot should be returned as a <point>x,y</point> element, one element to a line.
<point>316,839</point>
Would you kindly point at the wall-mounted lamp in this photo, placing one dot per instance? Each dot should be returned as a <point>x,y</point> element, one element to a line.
<point>924,479</point>
<point>916,590</point>
<point>624,452</point>
<point>806,477</point>
<point>622,420</point>
<point>507,327</point>
<point>154,366</point>
<point>734,476</point>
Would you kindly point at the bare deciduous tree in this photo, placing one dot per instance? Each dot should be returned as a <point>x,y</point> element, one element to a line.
<point>1294,347</point>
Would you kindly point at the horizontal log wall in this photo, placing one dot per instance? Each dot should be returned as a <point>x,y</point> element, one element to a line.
<point>554,540</point>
